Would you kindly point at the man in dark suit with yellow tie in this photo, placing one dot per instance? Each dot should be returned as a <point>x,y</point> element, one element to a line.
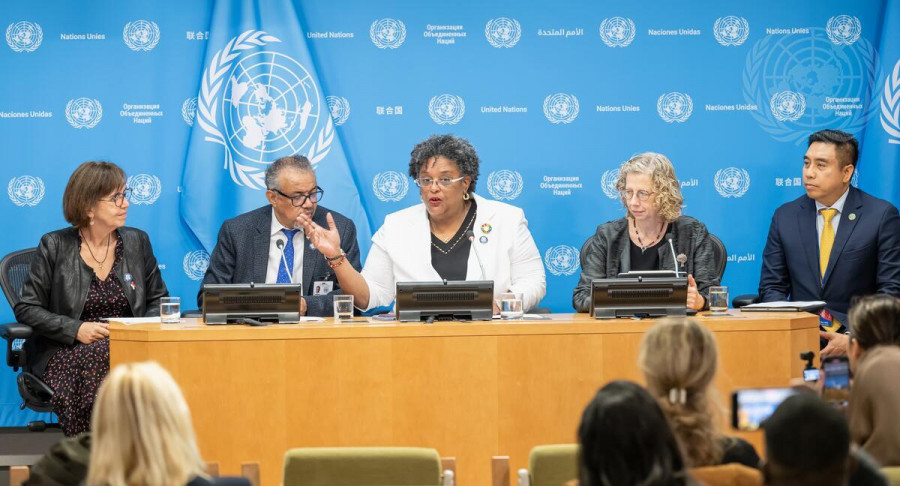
<point>833,243</point>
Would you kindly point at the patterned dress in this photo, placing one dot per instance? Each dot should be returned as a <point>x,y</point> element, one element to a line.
<point>75,372</point>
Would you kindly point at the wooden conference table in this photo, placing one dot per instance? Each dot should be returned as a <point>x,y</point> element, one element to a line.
<point>470,390</point>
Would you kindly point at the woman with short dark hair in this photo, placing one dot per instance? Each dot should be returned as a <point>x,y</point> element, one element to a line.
<point>95,269</point>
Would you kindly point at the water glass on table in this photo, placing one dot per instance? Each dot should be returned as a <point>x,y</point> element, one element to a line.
<point>343,307</point>
<point>718,300</point>
<point>170,310</point>
<point>511,305</point>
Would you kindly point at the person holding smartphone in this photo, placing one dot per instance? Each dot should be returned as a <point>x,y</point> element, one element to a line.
<point>874,355</point>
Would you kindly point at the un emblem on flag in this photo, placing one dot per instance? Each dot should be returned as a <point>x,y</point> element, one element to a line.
<point>732,182</point>
<point>390,186</point>
<point>503,32</point>
<point>561,260</point>
<point>261,105</point>
<point>24,36</point>
<point>608,183</point>
<point>787,105</point>
<point>195,264</point>
<point>387,33</point>
<point>731,30</point>
<point>145,189</point>
<point>25,190</point>
<point>189,110</point>
<point>339,108</point>
<point>141,35</point>
<point>674,107</point>
<point>617,31</point>
<point>843,30</point>
<point>505,185</point>
<point>84,112</point>
<point>890,106</point>
<point>446,109</point>
<point>561,108</point>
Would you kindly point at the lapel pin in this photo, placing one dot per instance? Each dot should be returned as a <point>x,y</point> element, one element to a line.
<point>483,239</point>
<point>852,216</point>
<point>133,287</point>
<point>486,228</point>
<point>128,277</point>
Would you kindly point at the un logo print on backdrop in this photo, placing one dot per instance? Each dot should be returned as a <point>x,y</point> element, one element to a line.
<point>267,104</point>
<point>793,75</point>
<point>25,190</point>
<point>731,30</point>
<point>732,182</point>
<point>189,110</point>
<point>617,31</point>
<point>195,264</point>
<point>608,183</point>
<point>84,112</point>
<point>387,33</point>
<point>505,185</point>
<point>141,35</point>
<point>446,109</point>
<point>339,108</point>
<point>561,108</point>
<point>675,107</point>
<point>503,32</point>
<point>390,186</point>
<point>24,36</point>
<point>561,260</point>
<point>145,189</point>
<point>890,105</point>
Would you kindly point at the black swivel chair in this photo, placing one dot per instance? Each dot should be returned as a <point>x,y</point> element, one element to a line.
<point>14,269</point>
<point>720,255</point>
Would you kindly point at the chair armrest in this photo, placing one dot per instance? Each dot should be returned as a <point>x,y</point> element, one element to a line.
<point>745,299</point>
<point>15,330</point>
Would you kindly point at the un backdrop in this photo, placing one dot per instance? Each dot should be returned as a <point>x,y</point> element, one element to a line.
<point>195,100</point>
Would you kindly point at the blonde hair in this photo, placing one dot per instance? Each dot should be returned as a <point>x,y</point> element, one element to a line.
<point>142,431</point>
<point>662,174</point>
<point>679,359</point>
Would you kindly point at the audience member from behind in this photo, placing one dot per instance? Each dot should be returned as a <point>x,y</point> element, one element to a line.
<point>142,433</point>
<point>679,359</point>
<point>807,442</point>
<point>874,355</point>
<point>626,440</point>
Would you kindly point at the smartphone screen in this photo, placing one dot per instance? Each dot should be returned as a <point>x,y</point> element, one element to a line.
<point>811,375</point>
<point>837,380</point>
<point>751,406</point>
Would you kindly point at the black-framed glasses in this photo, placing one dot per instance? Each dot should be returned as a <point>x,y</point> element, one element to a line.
<point>300,199</point>
<point>426,182</point>
<point>119,198</point>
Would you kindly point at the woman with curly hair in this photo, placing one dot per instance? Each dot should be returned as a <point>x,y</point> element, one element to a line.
<point>652,198</point>
<point>678,357</point>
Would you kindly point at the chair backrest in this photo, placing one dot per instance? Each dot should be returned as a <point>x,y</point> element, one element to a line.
<point>14,269</point>
<point>720,254</point>
<point>892,474</point>
<point>727,475</point>
<point>554,464</point>
<point>372,466</point>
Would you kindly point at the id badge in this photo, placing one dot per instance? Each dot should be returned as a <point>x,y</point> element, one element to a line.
<point>825,319</point>
<point>323,287</point>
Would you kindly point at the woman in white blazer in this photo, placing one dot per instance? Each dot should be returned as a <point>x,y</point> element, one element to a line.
<point>443,237</point>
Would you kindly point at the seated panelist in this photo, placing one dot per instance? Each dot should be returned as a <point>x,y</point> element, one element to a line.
<point>429,241</point>
<point>652,198</point>
<point>266,245</point>
<point>95,269</point>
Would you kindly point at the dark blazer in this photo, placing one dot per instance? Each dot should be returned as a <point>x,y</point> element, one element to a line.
<point>242,255</point>
<point>55,291</point>
<point>865,258</point>
<point>607,253</point>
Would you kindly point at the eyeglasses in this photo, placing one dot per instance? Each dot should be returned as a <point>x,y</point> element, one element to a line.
<point>118,198</point>
<point>426,182</point>
<point>642,195</point>
<point>300,199</point>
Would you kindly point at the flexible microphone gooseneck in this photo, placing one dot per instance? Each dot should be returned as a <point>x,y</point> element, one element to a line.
<point>471,236</point>
<point>279,243</point>
<point>674,258</point>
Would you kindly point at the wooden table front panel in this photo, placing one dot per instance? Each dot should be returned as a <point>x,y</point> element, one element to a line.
<point>471,390</point>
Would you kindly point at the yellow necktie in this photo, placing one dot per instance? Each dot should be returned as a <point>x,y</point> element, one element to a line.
<point>827,239</point>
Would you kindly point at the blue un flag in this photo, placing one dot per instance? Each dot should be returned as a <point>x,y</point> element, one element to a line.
<point>260,99</point>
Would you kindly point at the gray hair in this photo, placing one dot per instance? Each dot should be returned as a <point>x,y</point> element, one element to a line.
<point>297,162</point>
<point>454,148</point>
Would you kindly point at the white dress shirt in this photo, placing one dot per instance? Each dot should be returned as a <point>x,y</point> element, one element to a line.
<point>276,234</point>
<point>820,220</point>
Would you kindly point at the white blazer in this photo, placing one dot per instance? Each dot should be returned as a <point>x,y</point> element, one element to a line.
<point>401,252</point>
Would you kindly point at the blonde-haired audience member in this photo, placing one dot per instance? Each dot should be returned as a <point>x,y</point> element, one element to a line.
<point>142,432</point>
<point>678,357</point>
<point>874,355</point>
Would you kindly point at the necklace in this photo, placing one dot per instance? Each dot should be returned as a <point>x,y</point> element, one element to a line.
<point>641,244</point>
<point>106,253</point>
<point>461,235</point>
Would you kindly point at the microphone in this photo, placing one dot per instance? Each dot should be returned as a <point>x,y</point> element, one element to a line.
<point>675,258</point>
<point>279,243</point>
<point>471,236</point>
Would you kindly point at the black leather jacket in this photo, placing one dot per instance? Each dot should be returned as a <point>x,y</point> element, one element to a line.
<point>606,253</point>
<point>54,294</point>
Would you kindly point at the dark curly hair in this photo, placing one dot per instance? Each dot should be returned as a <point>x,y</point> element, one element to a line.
<point>454,148</point>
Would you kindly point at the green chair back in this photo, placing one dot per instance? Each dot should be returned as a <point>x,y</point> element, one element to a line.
<point>353,466</point>
<point>553,465</point>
